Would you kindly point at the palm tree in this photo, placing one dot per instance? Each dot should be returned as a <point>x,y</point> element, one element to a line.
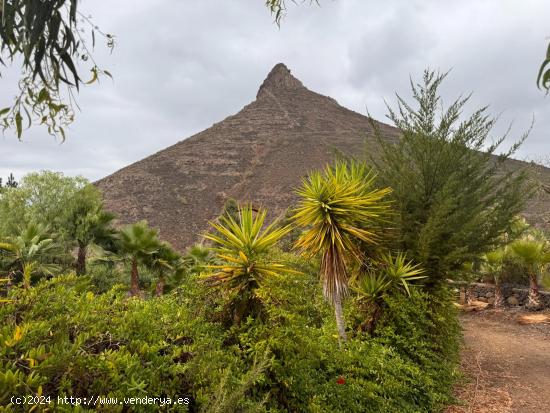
<point>335,208</point>
<point>392,274</point>
<point>534,255</point>
<point>242,248</point>
<point>86,223</point>
<point>31,252</point>
<point>493,264</point>
<point>197,259</point>
<point>165,262</point>
<point>136,244</point>
<point>97,230</point>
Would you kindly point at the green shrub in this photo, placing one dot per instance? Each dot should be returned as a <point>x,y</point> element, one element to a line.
<point>61,339</point>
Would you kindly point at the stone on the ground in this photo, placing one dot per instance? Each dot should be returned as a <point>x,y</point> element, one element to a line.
<point>512,300</point>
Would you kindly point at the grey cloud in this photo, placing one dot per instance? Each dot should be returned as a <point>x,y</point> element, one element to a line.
<point>181,66</point>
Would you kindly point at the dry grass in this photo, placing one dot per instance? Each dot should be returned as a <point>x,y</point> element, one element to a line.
<point>504,360</point>
<point>472,306</point>
<point>478,394</point>
<point>539,318</point>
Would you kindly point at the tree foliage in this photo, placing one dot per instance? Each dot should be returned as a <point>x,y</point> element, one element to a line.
<point>10,182</point>
<point>42,197</point>
<point>30,252</point>
<point>167,265</point>
<point>50,40</point>
<point>453,195</point>
<point>543,78</point>
<point>278,8</point>
<point>492,264</point>
<point>70,207</point>
<point>533,252</point>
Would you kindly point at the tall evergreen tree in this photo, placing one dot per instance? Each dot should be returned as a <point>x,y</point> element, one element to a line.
<point>11,182</point>
<point>453,196</point>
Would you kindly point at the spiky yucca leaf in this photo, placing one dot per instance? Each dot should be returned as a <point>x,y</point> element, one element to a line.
<point>246,234</point>
<point>402,271</point>
<point>395,272</point>
<point>241,245</point>
<point>372,286</point>
<point>336,207</point>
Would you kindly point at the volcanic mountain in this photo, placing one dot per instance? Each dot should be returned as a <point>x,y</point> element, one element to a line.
<point>258,155</point>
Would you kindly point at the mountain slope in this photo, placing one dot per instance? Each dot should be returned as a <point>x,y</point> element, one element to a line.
<point>257,155</point>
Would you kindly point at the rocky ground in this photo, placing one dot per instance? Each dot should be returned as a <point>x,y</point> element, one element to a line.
<point>506,361</point>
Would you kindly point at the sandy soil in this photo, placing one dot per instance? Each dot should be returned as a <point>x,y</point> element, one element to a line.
<point>507,364</point>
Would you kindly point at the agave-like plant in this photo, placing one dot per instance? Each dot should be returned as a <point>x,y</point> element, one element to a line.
<point>392,274</point>
<point>335,208</point>
<point>242,245</point>
<point>493,264</point>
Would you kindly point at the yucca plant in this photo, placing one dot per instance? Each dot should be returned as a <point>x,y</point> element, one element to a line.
<point>242,246</point>
<point>534,255</point>
<point>391,274</point>
<point>31,252</point>
<point>335,208</point>
<point>493,264</point>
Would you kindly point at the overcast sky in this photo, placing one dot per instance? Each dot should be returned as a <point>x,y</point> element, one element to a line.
<point>181,65</point>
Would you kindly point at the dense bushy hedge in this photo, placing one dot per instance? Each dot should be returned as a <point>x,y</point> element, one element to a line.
<point>60,339</point>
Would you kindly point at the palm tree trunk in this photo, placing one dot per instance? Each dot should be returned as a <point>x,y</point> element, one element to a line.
<point>81,259</point>
<point>533,303</point>
<point>470,295</point>
<point>499,297</point>
<point>340,319</point>
<point>134,284</point>
<point>159,289</point>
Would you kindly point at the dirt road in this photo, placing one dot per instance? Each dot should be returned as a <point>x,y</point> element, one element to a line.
<point>508,365</point>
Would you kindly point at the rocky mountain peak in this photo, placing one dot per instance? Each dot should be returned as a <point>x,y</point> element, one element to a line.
<point>279,78</point>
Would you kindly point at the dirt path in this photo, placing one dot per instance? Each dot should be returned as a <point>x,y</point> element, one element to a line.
<point>508,365</point>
